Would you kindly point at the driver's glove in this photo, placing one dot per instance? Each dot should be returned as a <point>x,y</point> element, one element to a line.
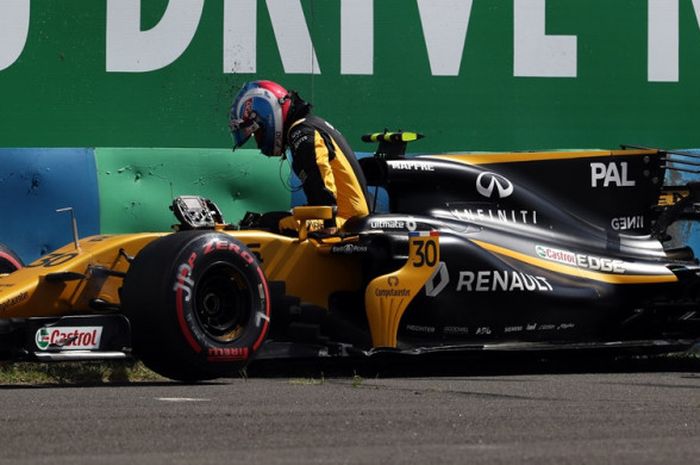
<point>288,223</point>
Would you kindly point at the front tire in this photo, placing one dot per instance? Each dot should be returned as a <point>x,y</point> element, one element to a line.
<point>198,303</point>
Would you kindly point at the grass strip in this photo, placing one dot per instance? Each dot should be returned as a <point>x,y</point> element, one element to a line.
<point>76,373</point>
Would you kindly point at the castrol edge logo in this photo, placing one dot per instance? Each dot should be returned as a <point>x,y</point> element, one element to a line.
<point>589,262</point>
<point>69,337</point>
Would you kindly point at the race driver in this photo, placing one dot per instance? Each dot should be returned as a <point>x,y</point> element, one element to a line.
<point>321,157</point>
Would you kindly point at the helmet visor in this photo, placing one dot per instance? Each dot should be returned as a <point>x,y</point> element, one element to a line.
<point>242,129</point>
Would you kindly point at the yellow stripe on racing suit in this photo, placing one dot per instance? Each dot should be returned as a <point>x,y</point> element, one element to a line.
<point>327,167</point>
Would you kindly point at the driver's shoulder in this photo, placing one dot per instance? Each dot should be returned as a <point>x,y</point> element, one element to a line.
<point>300,133</point>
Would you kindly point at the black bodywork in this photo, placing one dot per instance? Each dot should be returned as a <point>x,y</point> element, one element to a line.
<point>538,250</point>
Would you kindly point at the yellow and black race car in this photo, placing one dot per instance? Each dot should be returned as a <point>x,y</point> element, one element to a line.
<point>510,251</point>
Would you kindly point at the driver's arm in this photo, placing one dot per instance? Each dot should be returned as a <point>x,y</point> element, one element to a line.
<point>311,163</point>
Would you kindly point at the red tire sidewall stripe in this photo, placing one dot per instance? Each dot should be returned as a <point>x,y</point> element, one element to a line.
<point>11,259</point>
<point>183,324</point>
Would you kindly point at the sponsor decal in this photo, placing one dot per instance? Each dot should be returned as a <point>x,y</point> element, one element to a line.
<point>589,262</point>
<point>496,215</point>
<point>393,224</point>
<point>455,330</point>
<point>556,255</point>
<point>226,354</point>
<point>412,165</point>
<point>184,282</point>
<point>624,223</point>
<point>11,302</point>
<point>504,281</point>
<point>483,331</point>
<point>489,183</point>
<point>348,249</point>
<point>53,259</point>
<point>539,327</point>
<point>421,329</point>
<point>393,290</point>
<point>220,244</point>
<point>549,326</point>
<point>69,337</point>
<point>297,141</point>
<point>610,174</point>
<point>438,281</point>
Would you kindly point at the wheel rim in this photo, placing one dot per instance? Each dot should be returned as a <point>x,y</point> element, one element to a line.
<point>222,302</point>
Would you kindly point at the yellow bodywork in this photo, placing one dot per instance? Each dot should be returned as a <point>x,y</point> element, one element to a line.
<point>80,280</point>
<point>306,267</point>
<point>388,296</point>
<point>27,292</point>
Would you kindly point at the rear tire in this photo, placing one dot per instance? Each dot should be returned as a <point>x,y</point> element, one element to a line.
<point>9,261</point>
<point>198,303</point>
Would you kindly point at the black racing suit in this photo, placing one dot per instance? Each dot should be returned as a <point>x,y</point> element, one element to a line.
<point>327,168</point>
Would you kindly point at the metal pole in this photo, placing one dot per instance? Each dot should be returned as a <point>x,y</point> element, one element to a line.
<point>74,222</point>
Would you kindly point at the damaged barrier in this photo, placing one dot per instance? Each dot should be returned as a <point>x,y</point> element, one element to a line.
<point>138,184</point>
<point>34,182</point>
<point>121,190</point>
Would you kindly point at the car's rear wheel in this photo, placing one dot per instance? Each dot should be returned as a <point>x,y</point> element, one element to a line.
<point>9,261</point>
<point>198,303</point>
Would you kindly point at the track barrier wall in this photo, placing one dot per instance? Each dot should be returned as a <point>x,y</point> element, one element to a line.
<point>36,182</point>
<point>121,190</point>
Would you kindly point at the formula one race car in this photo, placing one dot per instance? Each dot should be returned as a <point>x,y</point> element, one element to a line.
<point>498,252</point>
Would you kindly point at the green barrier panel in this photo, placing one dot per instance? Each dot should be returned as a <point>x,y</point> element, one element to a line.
<point>478,75</point>
<point>138,184</point>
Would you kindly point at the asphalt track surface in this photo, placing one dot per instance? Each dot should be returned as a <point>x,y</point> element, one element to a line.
<point>531,415</point>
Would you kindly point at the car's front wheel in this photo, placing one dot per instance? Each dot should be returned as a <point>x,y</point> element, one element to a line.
<point>198,303</point>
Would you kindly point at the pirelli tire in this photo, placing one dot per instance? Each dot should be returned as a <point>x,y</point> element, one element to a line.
<point>9,261</point>
<point>198,303</point>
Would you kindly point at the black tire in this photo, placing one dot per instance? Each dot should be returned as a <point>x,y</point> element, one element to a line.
<point>198,303</point>
<point>9,261</point>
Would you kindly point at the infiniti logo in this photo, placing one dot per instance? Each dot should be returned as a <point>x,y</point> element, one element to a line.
<point>487,182</point>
